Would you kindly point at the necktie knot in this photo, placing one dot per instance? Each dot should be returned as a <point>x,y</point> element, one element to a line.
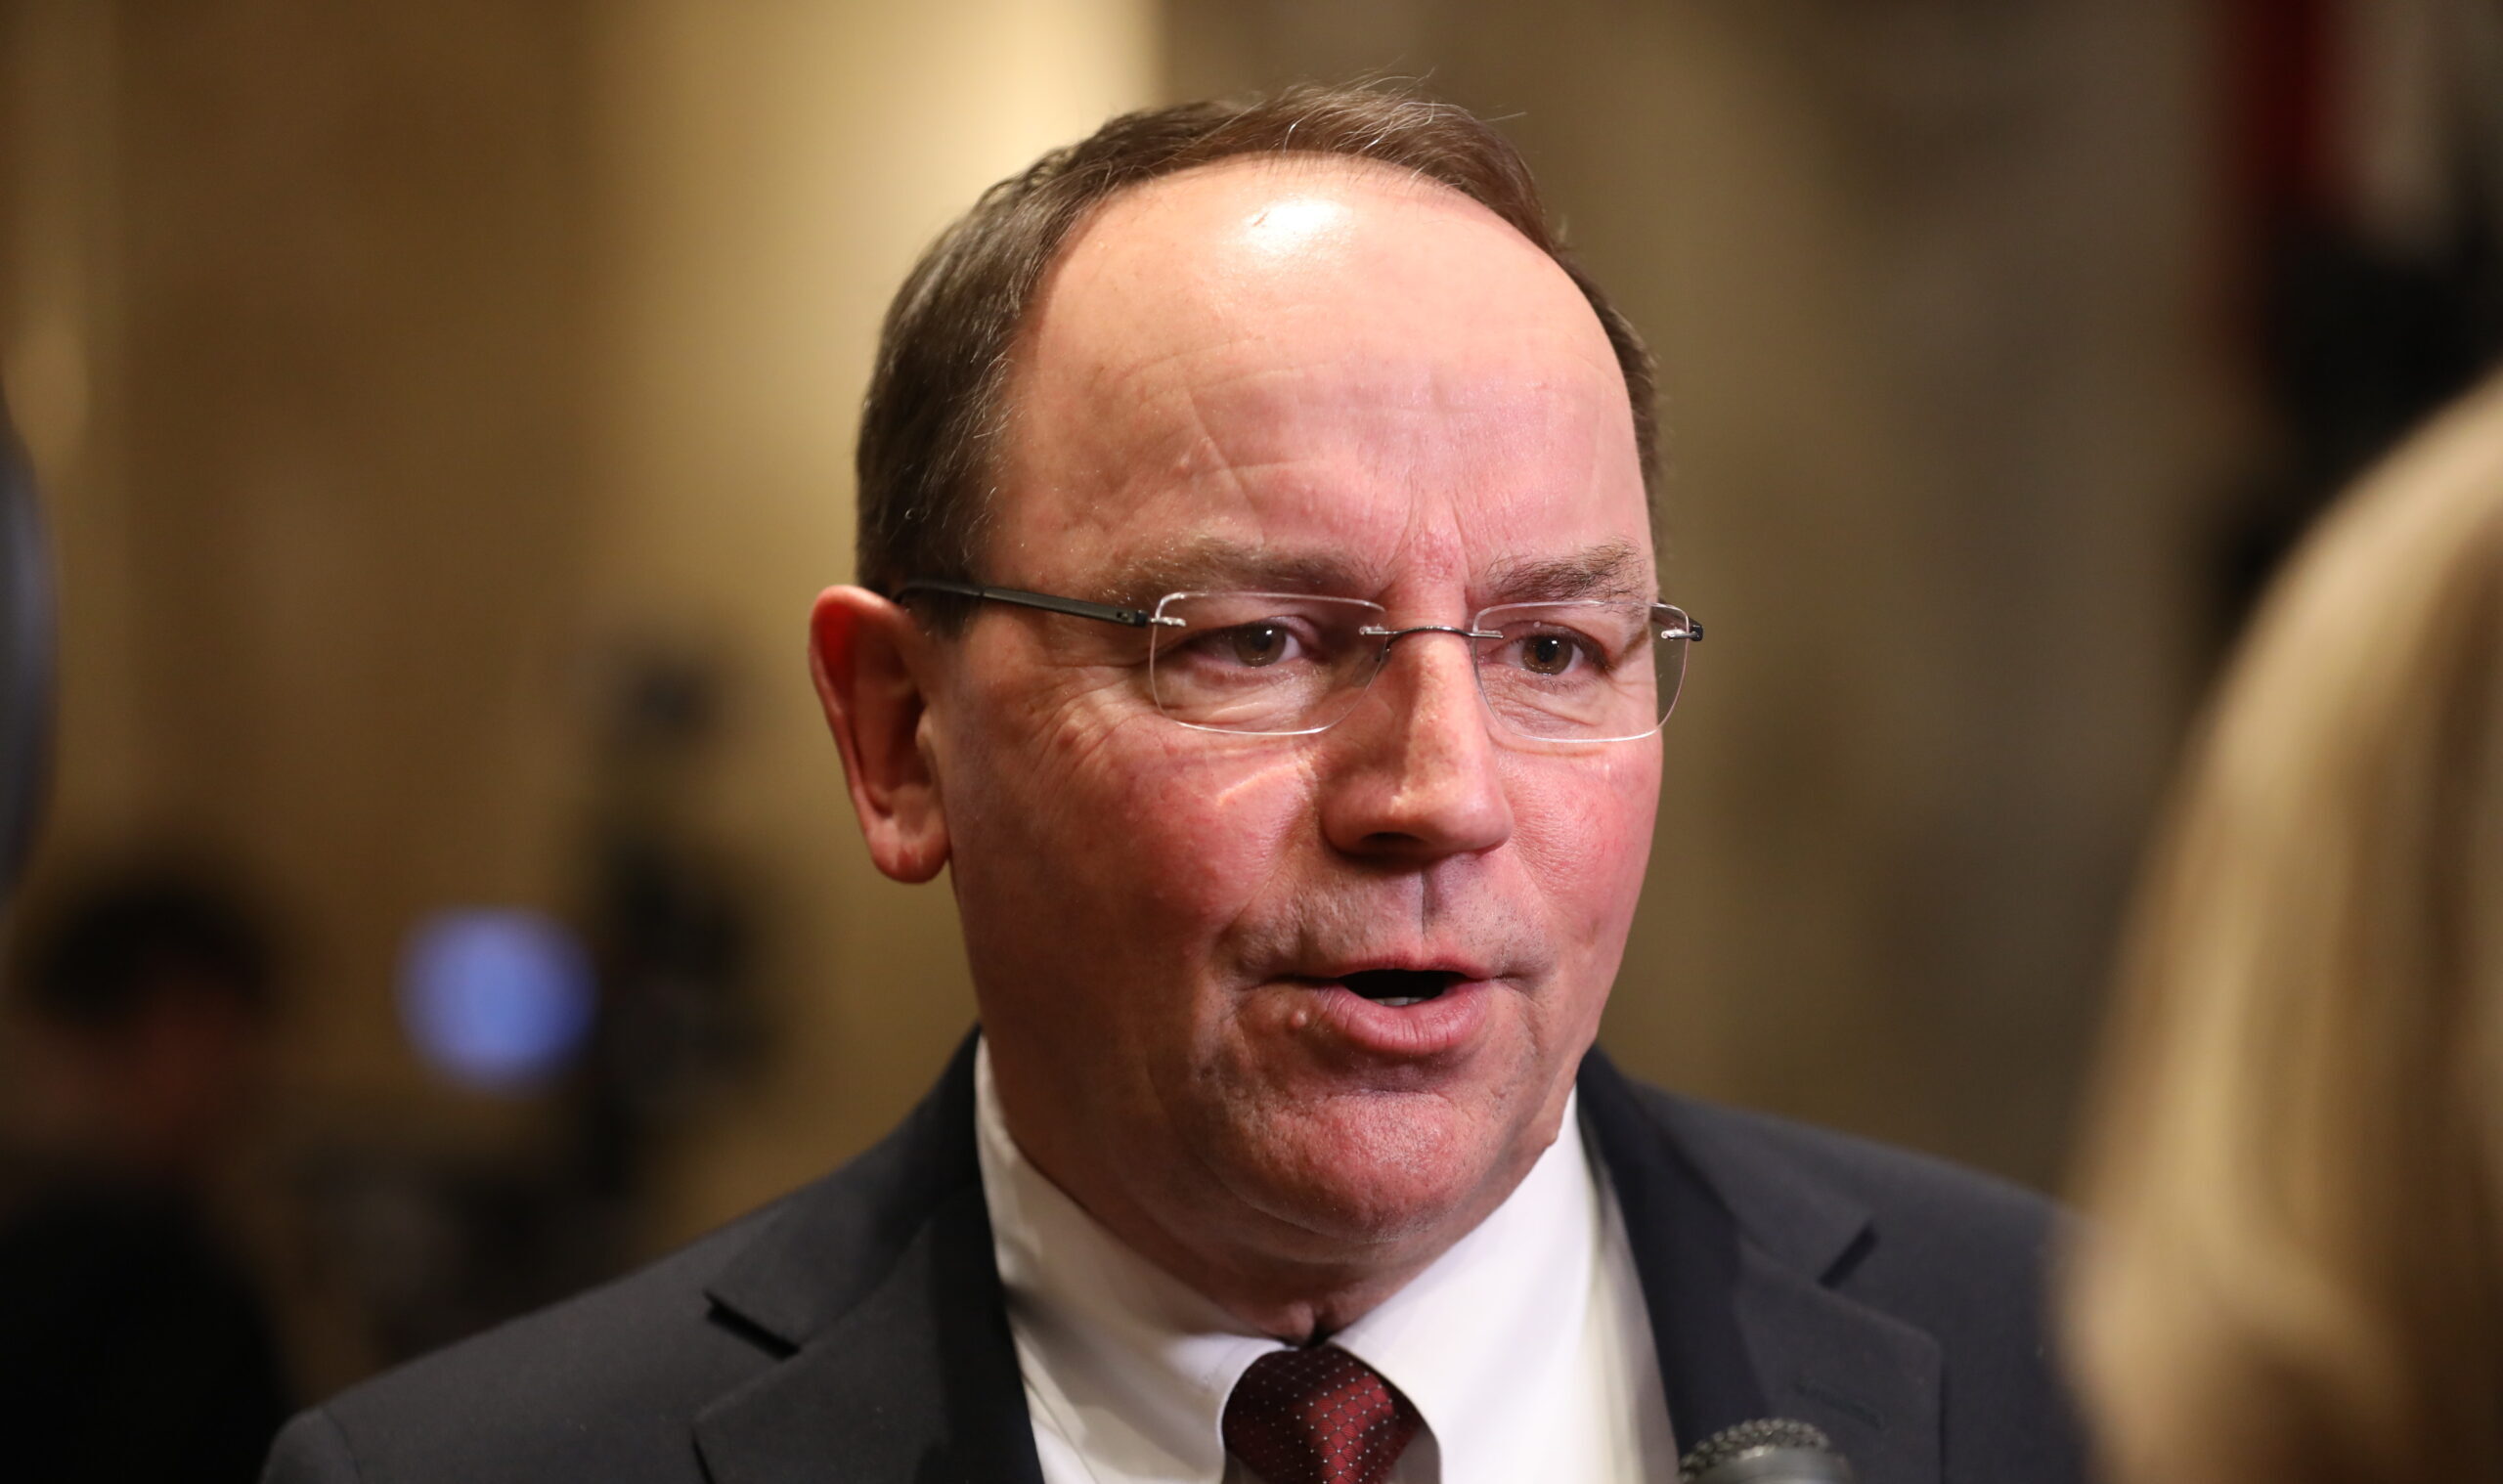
<point>1317,1417</point>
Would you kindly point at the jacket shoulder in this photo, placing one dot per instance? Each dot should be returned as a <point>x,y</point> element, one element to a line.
<point>601,1385</point>
<point>1964,1257</point>
<point>607,1385</point>
<point>1920,1203</point>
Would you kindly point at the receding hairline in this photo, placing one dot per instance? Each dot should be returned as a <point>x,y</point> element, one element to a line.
<point>1413,182</point>
<point>1308,162</point>
<point>1418,186</point>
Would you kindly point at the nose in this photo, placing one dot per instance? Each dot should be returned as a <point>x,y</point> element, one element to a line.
<point>1414,774</point>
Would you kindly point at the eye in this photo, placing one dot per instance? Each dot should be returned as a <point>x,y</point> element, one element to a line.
<point>1547,654</point>
<point>1555,654</point>
<point>1256,644</point>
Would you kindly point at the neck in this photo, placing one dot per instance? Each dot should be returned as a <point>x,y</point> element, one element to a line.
<point>1299,1301</point>
<point>1297,1281</point>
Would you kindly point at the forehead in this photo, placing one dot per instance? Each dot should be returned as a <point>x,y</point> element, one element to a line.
<point>1312,357</point>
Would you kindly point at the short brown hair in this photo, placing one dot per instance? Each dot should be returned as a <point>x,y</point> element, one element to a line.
<point>935,409</point>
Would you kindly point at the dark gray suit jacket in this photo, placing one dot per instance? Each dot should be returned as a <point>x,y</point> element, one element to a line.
<point>853,1331</point>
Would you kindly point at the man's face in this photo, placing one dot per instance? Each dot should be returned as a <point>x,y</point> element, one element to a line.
<point>1307,376</point>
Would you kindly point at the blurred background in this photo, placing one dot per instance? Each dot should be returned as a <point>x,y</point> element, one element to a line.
<point>443,412</point>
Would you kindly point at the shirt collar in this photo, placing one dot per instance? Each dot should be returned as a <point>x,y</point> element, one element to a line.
<point>1135,1367</point>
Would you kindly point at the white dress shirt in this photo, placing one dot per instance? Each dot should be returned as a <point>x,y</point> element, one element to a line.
<point>1525,1347</point>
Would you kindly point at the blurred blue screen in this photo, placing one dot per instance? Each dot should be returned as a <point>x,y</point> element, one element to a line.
<point>495,998</point>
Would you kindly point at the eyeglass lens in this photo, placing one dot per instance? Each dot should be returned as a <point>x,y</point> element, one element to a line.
<point>1282,664</point>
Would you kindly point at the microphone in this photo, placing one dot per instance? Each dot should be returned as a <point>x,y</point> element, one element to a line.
<point>1766,1451</point>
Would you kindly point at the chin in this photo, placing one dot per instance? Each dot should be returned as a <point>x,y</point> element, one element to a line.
<point>1368,1170</point>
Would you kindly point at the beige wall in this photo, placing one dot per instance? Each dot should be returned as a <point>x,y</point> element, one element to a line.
<point>775,169</point>
<point>316,271</point>
<point>387,364</point>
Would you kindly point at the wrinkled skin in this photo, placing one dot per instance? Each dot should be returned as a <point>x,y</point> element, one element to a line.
<point>1319,375</point>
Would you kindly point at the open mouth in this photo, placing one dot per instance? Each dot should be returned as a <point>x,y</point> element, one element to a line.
<point>1400,988</point>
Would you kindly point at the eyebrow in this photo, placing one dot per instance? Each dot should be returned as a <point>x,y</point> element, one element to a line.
<point>1217,563</point>
<point>1613,569</point>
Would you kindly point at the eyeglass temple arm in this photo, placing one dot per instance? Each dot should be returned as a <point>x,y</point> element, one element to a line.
<point>1135,618</point>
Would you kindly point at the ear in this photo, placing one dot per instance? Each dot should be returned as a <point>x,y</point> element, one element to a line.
<point>868,659</point>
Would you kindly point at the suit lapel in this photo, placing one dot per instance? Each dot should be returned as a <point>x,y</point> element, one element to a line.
<point>1740,1261</point>
<point>880,1286</point>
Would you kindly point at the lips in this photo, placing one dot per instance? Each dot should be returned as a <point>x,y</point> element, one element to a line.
<point>1393,1015</point>
<point>1399,989</point>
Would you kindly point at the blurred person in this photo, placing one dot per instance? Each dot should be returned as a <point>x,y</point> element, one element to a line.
<point>1259,626</point>
<point>132,1344</point>
<point>2296,1273</point>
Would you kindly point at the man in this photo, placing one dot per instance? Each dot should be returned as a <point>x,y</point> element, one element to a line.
<point>1258,623</point>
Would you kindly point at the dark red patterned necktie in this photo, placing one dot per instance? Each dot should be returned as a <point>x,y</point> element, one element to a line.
<point>1317,1417</point>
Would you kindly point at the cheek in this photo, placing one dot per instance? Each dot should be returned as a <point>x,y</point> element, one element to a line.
<point>1215,827</point>
<point>1134,827</point>
<point>1584,834</point>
